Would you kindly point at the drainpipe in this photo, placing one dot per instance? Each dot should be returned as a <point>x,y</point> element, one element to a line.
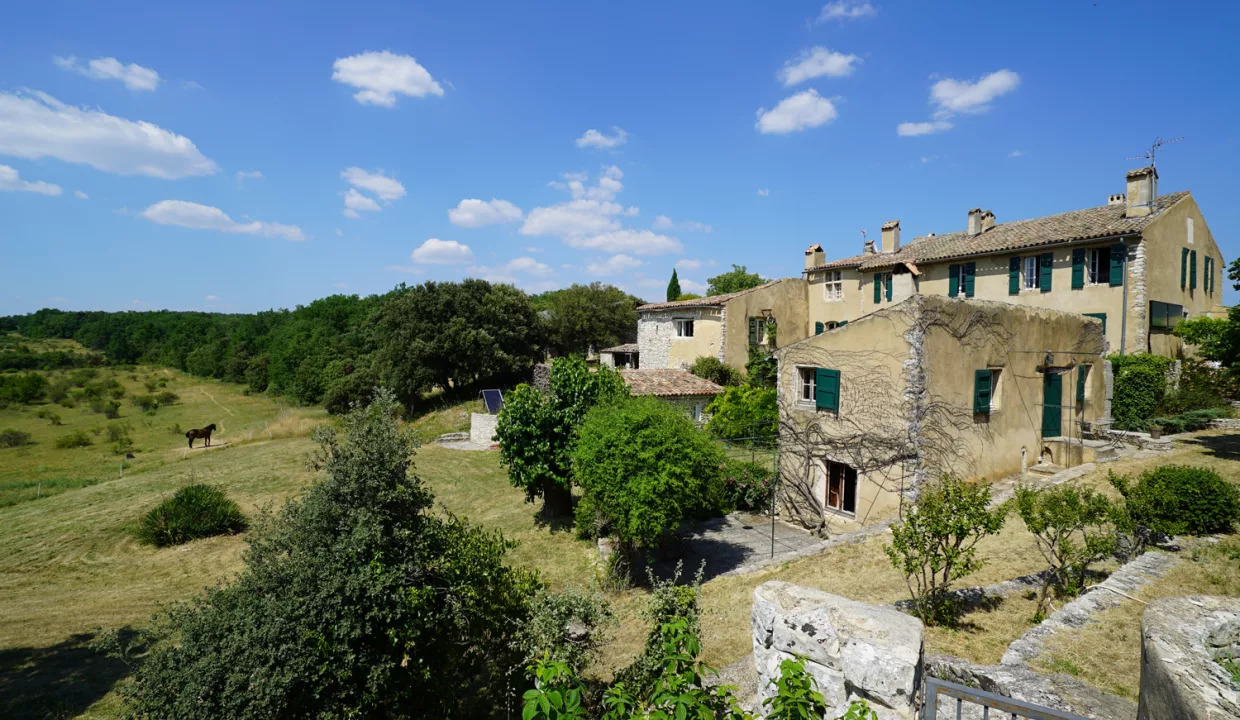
<point>1123,326</point>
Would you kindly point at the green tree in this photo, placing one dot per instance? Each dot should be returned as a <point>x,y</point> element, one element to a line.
<point>646,467</point>
<point>673,287</point>
<point>737,279</point>
<point>359,600</point>
<point>536,432</point>
<point>582,317</point>
<point>743,412</point>
<point>1216,338</point>
<point>1072,527</point>
<point>935,545</point>
<point>715,370</point>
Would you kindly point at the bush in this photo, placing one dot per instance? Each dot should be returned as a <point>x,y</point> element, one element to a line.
<point>646,468</point>
<point>1140,382</point>
<point>747,485</point>
<point>1180,500</point>
<point>936,543</point>
<point>567,626</point>
<point>761,370</point>
<point>118,434</point>
<point>167,397</point>
<point>668,602</point>
<point>716,371</point>
<point>11,437</point>
<point>1071,526</point>
<point>743,412</point>
<point>1189,421</point>
<point>195,511</point>
<point>359,599</point>
<point>145,403</point>
<point>24,389</point>
<point>59,390</point>
<point>67,402</point>
<point>49,415</point>
<point>110,409</point>
<point>75,439</point>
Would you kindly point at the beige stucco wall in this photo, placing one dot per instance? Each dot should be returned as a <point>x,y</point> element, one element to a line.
<point>787,302</point>
<point>1164,238</point>
<point>659,346</point>
<point>848,308</point>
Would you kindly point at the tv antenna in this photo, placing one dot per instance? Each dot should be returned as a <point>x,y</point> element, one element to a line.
<point>1153,150</point>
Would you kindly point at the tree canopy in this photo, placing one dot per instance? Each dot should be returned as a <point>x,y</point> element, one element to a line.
<point>737,279</point>
<point>582,317</point>
<point>673,287</point>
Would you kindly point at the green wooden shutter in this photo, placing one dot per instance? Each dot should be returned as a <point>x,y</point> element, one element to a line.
<point>970,272</point>
<point>888,277</point>
<point>1102,317</point>
<point>1078,268</point>
<point>983,389</point>
<point>1183,268</point>
<point>878,288</point>
<point>953,280</point>
<point>843,323</point>
<point>817,328</point>
<point>1046,263</point>
<point>1210,275</point>
<point>1119,253</point>
<point>827,396</point>
<point>1192,270</point>
<point>1014,276</point>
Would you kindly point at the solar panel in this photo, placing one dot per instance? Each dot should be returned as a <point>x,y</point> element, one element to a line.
<point>494,400</point>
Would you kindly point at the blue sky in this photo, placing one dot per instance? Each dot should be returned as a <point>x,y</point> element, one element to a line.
<point>239,156</point>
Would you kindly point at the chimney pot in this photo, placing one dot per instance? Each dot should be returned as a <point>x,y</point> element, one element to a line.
<point>1117,199</point>
<point>891,236</point>
<point>814,256</point>
<point>1142,192</point>
<point>988,220</point>
<point>975,221</point>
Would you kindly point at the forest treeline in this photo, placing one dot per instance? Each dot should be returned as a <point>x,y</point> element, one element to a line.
<point>457,336</point>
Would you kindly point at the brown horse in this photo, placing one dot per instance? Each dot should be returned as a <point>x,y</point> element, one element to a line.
<point>204,433</point>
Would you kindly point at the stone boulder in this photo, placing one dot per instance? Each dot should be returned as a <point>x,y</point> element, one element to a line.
<point>853,649</point>
<point>1182,640</point>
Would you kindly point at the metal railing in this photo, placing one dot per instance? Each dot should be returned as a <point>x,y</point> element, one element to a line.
<point>1006,706</point>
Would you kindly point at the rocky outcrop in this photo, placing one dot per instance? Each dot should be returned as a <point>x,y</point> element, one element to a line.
<point>1182,641</point>
<point>854,650</point>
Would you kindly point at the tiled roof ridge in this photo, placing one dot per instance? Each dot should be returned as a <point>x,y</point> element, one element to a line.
<point>710,300</point>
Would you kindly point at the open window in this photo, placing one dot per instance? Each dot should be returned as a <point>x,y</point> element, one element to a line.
<point>684,328</point>
<point>841,488</point>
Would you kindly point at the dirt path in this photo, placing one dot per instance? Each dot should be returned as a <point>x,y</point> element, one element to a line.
<point>217,402</point>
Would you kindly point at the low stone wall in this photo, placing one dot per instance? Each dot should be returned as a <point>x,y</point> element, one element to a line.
<point>482,428</point>
<point>1225,424</point>
<point>1182,639</point>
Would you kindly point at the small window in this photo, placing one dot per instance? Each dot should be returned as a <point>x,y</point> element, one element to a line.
<point>1100,266</point>
<point>1031,273</point>
<point>684,328</point>
<point>809,384</point>
<point>697,412</point>
<point>841,490</point>
<point>831,325</point>
<point>1189,229</point>
<point>833,289</point>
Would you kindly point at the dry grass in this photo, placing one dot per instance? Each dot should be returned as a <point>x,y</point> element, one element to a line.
<point>445,418</point>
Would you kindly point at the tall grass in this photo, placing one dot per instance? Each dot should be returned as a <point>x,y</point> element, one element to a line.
<point>195,511</point>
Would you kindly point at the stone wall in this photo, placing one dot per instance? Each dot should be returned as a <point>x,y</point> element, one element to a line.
<point>482,428</point>
<point>542,378</point>
<point>1182,639</point>
<point>654,338</point>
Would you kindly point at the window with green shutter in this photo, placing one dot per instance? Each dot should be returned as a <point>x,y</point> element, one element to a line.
<point>983,390</point>
<point>888,279</point>
<point>1046,263</point>
<point>970,272</point>
<point>1183,268</point>
<point>827,390</point>
<point>1192,270</point>
<point>817,328</point>
<point>878,288</point>
<point>1014,276</point>
<point>953,280</point>
<point>843,323</point>
<point>1119,253</point>
<point>1102,317</point>
<point>1078,268</point>
<point>1082,373</point>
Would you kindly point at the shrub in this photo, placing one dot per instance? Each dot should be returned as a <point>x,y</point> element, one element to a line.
<point>1189,421</point>
<point>668,601</point>
<point>195,511</point>
<point>1071,527</point>
<point>747,485</point>
<point>118,434</point>
<point>567,626</point>
<point>1180,500</point>
<point>11,437</point>
<point>26,388</point>
<point>359,599</point>
<point>110,409</point>
<point>49,415</point>
<point>67,402</point>
<point>145,403</point>
<point>167,397</point>
<point>1185,400</point>
<point>796,695</point>
<point>936,543</point>
<point>647,468</point>
<point>743,412</point>
<point>716,371</point>
<point>761,370</point>
<point>76,439</point>
<point>1140,382</point>
<point>150,385</point>
<point>59,390</point>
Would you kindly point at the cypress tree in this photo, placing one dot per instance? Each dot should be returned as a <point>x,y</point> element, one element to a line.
<point>673,287</point>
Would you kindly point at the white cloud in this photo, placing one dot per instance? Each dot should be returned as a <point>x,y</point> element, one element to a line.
<point>80,195</point>
<point>191,85</point>
<point>763,192</point>
<point>530,266</point>
<point>817,62</point>
<point>356,203</point>
<point>689,264</point>
<point>211,297</point>
<point>910,129</point>
<point>926,159</point>
<point>204,217</point>
<point>576,217</point>
<point>11,182</point>
<point>506,273</point>
<point>381,76</point>
<point>532,249</point>
<point>243,175</point>
<point>339,233</point>
<point>595,139</point>
<point>1017,153</point>
<point>663,222</point>
<point>38,125</point>
<point>342,286</point>
<point>845,10</point>
<point>442,252</point>
<point>134,76</point>
<point>953,96</point>
<point>638,242</point>
<point>613,265</point>
<point>802,111</point>
<point>384,187</point>
<point>692,286</point>
<point>474,213</point>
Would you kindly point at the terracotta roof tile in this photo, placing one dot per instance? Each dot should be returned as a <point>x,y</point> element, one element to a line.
<point>668,383</point>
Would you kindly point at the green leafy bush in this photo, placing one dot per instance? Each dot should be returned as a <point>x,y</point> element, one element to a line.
<point>668,601</point>
<point>59,390</point>
<point>12,437</point>
<point>568,626</point>
<point>936,543</point>
<point>796,693</point>
<point>1180,500</point>
<point>118,435</point>
<point>1140,383</point>
<point>145,403</point>
<point>743,412</point>
<point>716,371</point>
<point>49,415</point>
<point>358,600</point>
<point>747,485</point>
<point>110,409</point>
<point>167,397</point>
<point>1189,421</point>
<point>195,511</point>
<point>25,388</point>
<point>646,468</point>
<point>761,370</point>
<point>76,439</point>
<point>1071,525</point>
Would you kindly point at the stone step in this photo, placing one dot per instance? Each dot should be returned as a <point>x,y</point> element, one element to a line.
<point>1046,468</point>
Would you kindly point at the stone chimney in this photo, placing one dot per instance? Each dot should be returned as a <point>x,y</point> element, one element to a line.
<point>814,256</point>
<point>1142,192</point>
<point>988,220</point>
<point>891,236</point>
<point>975,221</point>
<point>1117,199</point>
